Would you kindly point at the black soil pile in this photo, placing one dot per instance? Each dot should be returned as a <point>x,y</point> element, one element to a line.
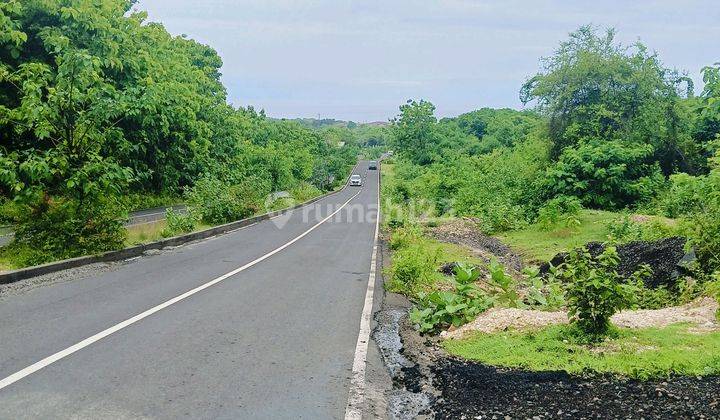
<point>667,259</point>
<point>472,390</point>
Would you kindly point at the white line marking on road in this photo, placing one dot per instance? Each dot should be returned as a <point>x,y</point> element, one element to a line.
<point>356,397</point>
<point>99,336</point>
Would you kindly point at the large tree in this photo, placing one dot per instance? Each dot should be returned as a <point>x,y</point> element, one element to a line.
<point>594,88</point>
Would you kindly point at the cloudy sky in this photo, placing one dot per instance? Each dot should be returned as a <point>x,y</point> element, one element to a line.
<point>360,60</point>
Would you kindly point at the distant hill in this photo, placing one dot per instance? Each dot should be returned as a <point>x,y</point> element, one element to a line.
<point>331,122</point>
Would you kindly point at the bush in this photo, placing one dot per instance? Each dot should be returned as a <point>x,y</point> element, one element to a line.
<point>561,208</point>
<point>214,202</point>
<point>595,291</point>
<point>712,288</point>
<point>684,195</point>
<point>413,266</point>
<point>606,174</point>
<point>304,192</point>
<point>63,228</point>
<point>624,229</point>
<point>440,309</point>
<point>141,201</point>
<point>542,294</point>
<point>177,223</point>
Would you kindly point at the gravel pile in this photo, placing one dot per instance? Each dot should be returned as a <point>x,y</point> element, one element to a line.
<point>700,312</point>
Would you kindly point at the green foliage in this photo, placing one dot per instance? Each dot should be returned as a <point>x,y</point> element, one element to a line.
<point>177,223</point>
<point>214,202</point>
<point>595,291</point>
<point>596,88</point>
<point>414,132</point>
<point>624,229</point>
<point>141,201</point>
<point>538,244</point>
<point>658,298</point>
<point>439,309</point>
<point>712,289</point>
<point>541,293</point>
<point>506,293</point>
<point>703,226</point>
<point>413,266</point>
<point>561,208</point>
<point>654,353</point>
<point>605,174</point>
<point>65,228</point>
<point>684,195</point>
<point>96,102</point>
<point>497,128</point>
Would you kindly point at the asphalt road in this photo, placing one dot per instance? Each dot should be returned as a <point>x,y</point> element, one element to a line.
<point>275,340</point>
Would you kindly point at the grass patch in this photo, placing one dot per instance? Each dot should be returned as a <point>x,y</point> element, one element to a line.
<point>536,244</point>
<point>152,232</point>
<point>641,354</point>
<point>416,258</point>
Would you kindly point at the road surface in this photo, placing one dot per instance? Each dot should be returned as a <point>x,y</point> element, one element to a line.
<point>267,328</point>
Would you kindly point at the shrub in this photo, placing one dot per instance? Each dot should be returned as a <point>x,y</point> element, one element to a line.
<point>403,236</point>
<point>684,195</point>
<point>177,223</point>
<point>506,293</point>
<point>624,229</point>
<point>712,288</point>
<point>606,174</point>
<point>595,291</point>
<point>304,192</point>
<point>440,309</point>
<point>413,266</point>
<point>561,208</point>
<point>65,228</point>
<point>542,294</point>
<point>214,202</point>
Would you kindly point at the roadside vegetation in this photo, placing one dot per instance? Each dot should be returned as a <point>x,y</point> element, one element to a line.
<point>103,113</point>
<point>613,174</point>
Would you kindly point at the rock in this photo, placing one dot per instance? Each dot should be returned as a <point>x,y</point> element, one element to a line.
<point>667,259</point>
<point>448,268</point>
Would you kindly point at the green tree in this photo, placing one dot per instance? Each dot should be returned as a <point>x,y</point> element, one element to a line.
<point>595,88</point>
<point>414,131</point>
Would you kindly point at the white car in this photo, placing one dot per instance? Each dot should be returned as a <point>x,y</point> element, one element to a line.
<point>355,180</point>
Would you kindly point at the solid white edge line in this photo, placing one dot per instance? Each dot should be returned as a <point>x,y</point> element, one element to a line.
<point>356,395</point>
<point>115,328</point>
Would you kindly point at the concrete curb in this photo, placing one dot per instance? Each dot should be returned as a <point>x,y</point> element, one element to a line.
<point>138,250</point>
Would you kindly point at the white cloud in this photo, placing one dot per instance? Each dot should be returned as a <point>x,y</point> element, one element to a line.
<point>361,59</point>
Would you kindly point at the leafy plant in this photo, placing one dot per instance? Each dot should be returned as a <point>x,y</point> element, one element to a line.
<point>413,266</point>
<point>214,202</point>
<point>543,294</point>
<point>66,228</point>
<point>439,309</point>
<point>595,291</point>
<point>712,288</point>
<point>506,293</point>
<point>561,208</point>
<point>177,223</point>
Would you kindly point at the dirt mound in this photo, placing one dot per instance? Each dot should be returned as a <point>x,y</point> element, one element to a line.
<point>465,232</point>
<point>667,259</point>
